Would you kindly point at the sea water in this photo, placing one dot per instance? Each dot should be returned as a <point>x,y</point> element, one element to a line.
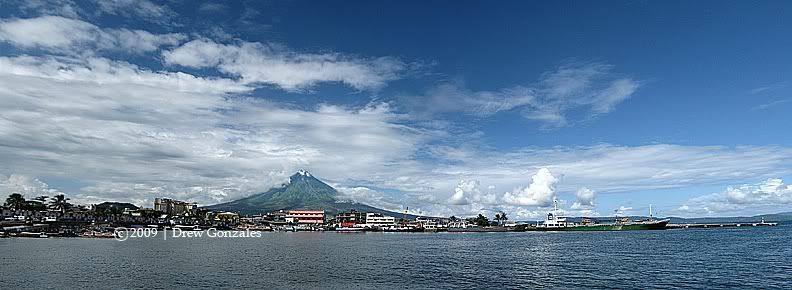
<point>734,258</point>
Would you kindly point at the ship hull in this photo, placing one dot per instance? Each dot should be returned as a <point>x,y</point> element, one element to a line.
<point>658,225</point>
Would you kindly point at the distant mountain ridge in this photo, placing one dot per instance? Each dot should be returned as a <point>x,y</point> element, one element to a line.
<point>304,191</point>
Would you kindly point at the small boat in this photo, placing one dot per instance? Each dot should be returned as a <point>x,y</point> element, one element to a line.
<point>187,228</point>
<point>32,235</point>
<point>404,229</point>
<point>96,234</point>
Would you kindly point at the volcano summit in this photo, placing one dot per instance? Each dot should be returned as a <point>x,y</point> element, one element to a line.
<point>304,191</point>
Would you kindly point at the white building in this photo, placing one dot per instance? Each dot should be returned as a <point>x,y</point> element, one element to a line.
<point>379,220</point>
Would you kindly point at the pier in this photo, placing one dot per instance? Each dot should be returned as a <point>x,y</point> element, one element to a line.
<point>724,225</point>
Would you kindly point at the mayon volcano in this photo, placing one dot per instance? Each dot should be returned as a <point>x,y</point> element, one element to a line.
<point>304,191</point>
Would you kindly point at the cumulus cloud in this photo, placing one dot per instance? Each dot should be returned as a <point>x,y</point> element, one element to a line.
<point>275,65</point>
<point>73,36</point>
<point>771,192</point>
<point>584,199</point>
<point>573,85</point>
<point>540,192</point>
<point>25,185</point>
<point>468,192</point>
<point>463,190</point>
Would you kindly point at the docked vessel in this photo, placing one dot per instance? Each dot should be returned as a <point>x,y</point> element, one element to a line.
<point>557,222</point>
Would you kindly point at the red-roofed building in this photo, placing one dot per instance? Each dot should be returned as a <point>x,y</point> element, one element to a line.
<point>313,217</point>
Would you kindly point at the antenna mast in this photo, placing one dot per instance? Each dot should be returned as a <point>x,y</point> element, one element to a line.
<point>555,206</point>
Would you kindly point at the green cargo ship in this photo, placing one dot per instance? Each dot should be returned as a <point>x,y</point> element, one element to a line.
<point>556,222</point>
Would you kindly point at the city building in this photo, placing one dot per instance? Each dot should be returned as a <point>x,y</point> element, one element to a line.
<point>277,217</point>
<point>174,207</point>
<point>379,220</point>
<point>315,217</point>
<point>351,218</point>
<point>115,207</point>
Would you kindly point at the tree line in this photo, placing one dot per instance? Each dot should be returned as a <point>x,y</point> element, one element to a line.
<point>16,201</point>
<point>484,221</point>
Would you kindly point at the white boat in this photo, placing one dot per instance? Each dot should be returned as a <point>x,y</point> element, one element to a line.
<point>187,228</point>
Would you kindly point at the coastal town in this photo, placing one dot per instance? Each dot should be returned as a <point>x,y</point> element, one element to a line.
<point>54,216</point>
<point>44,217</point>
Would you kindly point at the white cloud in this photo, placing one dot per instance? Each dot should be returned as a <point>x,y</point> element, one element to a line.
<point>72,36</point>
<point>144,10</point>
<point>212,8</point>
<point>768,88</point>
<point>66,8</point>
<point>624,210</point>
<point>469,187</point>
<point>584,198</point>
<point>371,197</point>
<point>468,192</point>
<point>770,104</point>
<point>272,64</point>
<point>134,134</point>
<point>610,168</point>
<point>454,97</point>
<point>540,192</point>
<point>589,86</point>
<point>768,193</point>
<point>29,187</point>
<point>579,85</point>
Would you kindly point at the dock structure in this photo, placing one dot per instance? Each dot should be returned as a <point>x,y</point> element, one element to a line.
<point>726,225</point>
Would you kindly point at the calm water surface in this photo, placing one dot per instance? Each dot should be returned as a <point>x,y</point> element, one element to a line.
<point>755,258</point>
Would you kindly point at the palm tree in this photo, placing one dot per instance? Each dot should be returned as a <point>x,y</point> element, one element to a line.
<point>504,218</point>
<point>453,218</point>
<point>498,218</point>
<point>481,221</point>
<point>59,202</point>
<point>15,201</point>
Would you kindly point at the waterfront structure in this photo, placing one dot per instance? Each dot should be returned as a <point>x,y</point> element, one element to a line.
<point>432,224</point>
<point>312,217</point>
<point>174,207</point>
<point>379,220</point>
<point>358,219</point>
<point>351,219</point>
<point>115,206</point>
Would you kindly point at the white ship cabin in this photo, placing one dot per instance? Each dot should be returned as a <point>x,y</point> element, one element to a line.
<point>555,220</point>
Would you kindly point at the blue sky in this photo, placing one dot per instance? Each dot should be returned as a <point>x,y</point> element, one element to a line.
<point>445,107</point>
